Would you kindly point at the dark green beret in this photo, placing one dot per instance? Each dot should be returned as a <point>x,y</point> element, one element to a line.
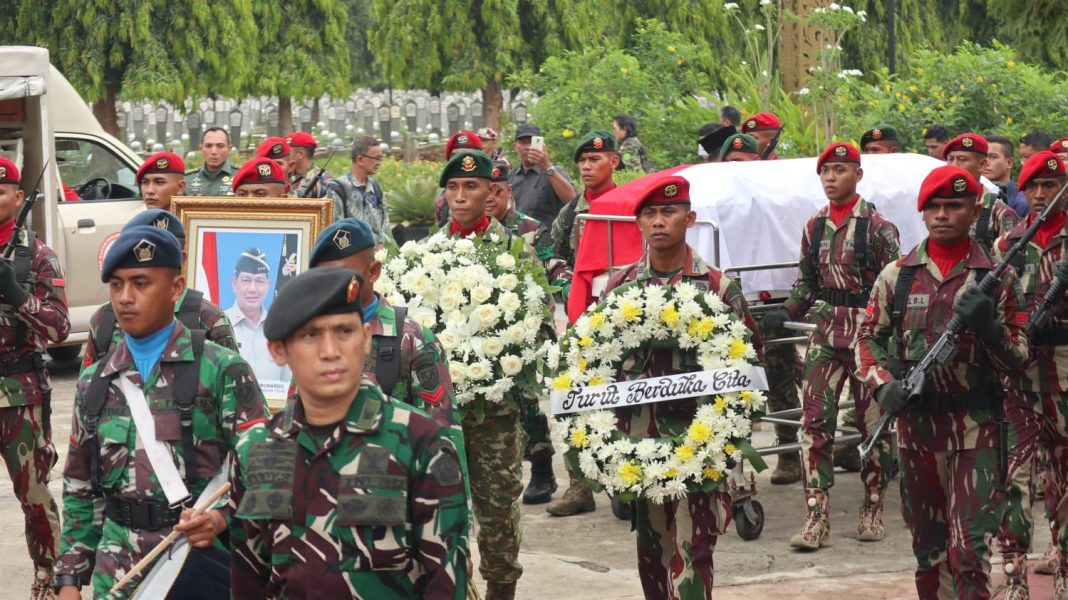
<point>878,134</point>
<point>467,164</point>
<point>342,238</point>
<point>160,219</point>
<point>595,141</point>
<point>313,293</point>
<point>739,142</point>
<point>500,171</point>
<point>140,247</point>
<point>252,260</point>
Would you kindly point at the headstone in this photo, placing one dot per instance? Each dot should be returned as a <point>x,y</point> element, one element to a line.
<point>411,116</point>
<point>272,120</point>
<point>519,113</point>
<point>410,146</point>
<point>477,120</point>
<point>339,119</point>
<point>161,123</point>
<point>209,119</point>
<point>434,111</point>
<point>395,119</point>
<point>305,119</point>
<point>452,115</point>
<point>192,122</point>
<point>368,112</point>
<point>236,119</point>
<point>420,113</point>
<point>122,121</point>
<point>138,118</point>
<point>384,123</point>
<point>220,113</point>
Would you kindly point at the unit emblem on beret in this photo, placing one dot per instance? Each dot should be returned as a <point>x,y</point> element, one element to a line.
<point>468,164</point>
<point>162,223</point>
<point>671,190</point>
<point>161,163</point>
<point>3,172</point>
<point>144,251</point>
<point>598,143</point>
<point>461,139</point>
<point>289,140</point>
<point>276,149</point>
<point>1051,164</point>
<point>496,172</point>
<point>876,134</point>
<point>967,142</point>
<point>737,143</point>
<point>959,184</point>
<point>264,170</point>
<point>341,239</point>
<point>840,151</point>
<point>751,124</point>
<point>353,291</point>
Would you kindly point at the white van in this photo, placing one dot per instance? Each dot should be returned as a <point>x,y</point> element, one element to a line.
<point>43,121</point>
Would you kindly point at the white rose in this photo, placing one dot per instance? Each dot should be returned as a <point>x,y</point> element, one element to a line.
<point>453,288</point>
<point>507,282</point>
<point>449,302</point>
<point>511,364</point>
<point>457,372</point>
<point>478,371</point>
<point>409,249</point>
<point>514,334</point>
<point>424,316</point>
<point>420,285</point>
<point>487,315</point>
<point>493,346</point>
<point>532,322</point>
<point>506,261</point>
<point>449,340</point>
<point>509,302</point>
<point>464,246</point>
<point>481,293</point>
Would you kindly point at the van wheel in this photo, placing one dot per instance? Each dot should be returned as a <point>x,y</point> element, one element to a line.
<point>65,353</point>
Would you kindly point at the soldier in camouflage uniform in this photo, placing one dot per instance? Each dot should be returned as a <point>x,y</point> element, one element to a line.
<point>201,315</point>
<point>1037,404</point>
<point>843,248</point>
<point>949,438</point>
<point>356,194</point>
<point>213,178</point>
<point>539,448</point>
<point>968,151</point>
<point>33,313</point>
<point>278,150</point>
<point>116,497</point>
<point>461,140</point>
<point>346,493</point>
<point>597,160</point>
<point>160,178</point>
<point>305,179</point>
<point>494,443</point>
<point>675,539</point>
<point>631,151</point>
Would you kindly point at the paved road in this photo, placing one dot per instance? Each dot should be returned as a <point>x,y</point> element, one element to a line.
<point>592,556</point>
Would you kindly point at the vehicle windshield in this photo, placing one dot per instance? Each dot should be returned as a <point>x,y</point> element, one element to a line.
<point>94,171</point>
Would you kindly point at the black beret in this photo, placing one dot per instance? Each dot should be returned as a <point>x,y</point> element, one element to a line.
<point>160,219</point>
<point>141,247</point>
<point>313,293</point>
<point>595,141</point>
<point>713,142</point>
<point>342,238</point>
<point>467,164</point>
<point>252,260</point>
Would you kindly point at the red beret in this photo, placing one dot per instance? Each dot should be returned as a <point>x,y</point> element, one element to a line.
<point>838,152</point>
<point>966,142</point>
<point>1041,164</point>
<point>948,181</point>
<point>259,170</point>
<point>1059,145</point>
<point>301,139</point>
<point>9,173</point>
<point>760,122</point>
<point>274,148</point>
<point>161,162</point>
<point>462,140</point>
<point>670,190</point>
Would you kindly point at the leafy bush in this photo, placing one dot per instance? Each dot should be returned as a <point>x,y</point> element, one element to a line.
<point>414,203</point>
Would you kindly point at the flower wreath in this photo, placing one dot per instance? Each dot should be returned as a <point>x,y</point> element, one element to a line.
<point>598,347</point>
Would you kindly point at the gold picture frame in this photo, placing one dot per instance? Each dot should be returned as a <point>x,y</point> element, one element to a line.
<point>239,252</point>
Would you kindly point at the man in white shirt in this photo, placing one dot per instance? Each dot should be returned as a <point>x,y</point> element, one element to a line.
<point>251,283</point>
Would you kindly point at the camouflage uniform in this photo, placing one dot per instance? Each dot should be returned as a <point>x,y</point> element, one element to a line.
<point>837,289</point>
<point>564,235</point>
<point>676,539</point>
<point>630,154</point>
<point>299,185</point>
<point>98,548</point>
<point>1037,406</point>
<point>494,449</point>
<point>361,202</point>
<point>949,442</point>
<point>1000,219</point>
<point>212,321</point>
<point>25,435</point>
<point>386,516</point>
<point>201,182</point>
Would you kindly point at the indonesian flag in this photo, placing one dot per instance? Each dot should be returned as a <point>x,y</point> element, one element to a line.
<point>208,269</point>
<point>592,257</point>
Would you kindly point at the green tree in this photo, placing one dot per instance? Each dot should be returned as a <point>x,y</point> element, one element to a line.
<point>1037,29</point>
<point>156,49</point>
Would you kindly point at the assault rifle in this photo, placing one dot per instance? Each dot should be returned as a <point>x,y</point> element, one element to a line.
<point>24,213</point>
<point>318,176</point>
<point>944,348</point>
<point>1041,315</point>
<point>771,145</point>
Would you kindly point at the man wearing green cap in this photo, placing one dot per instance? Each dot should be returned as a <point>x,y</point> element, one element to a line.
<point>740,147</point>
<point>882,139</point>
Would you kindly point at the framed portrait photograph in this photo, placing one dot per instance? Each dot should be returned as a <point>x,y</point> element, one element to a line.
<point>240,253</point>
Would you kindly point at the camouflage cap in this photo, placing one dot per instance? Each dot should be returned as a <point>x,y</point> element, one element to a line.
<point>160,219</point>
<point>141,247</point>
<point>467,164</point>
<point>342,238</point>
<point>595,141</point>
<point>313,293</point>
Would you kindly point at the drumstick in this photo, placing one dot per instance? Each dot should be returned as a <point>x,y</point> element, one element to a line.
<point>167,541</point>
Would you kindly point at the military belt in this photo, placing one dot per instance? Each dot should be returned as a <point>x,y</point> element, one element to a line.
<point>844,298</point>
<point>146,515</point>
<point>1050,336</point>
<point>23,364</point>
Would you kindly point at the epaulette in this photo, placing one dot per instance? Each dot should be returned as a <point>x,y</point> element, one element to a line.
<point>191,171</point>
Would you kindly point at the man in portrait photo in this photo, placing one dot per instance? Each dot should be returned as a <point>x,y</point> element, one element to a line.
<point>251,284</point>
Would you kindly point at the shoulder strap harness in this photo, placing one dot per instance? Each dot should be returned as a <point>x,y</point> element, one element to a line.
<point>387,363</point>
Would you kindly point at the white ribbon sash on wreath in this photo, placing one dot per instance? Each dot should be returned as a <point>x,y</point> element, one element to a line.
<point>658,389</point>
<point>159,455</point>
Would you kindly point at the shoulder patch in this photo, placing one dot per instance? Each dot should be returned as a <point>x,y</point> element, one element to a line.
<point>445,466</point>
<point>245,387</point>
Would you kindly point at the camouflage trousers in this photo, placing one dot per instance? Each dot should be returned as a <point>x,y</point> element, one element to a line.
<point>827,370</point>
<point>30,455</point>
<point>536,426</point>
<point>1036,421</point>
<point>495,465</point>
<point>950,502</point>
<point>779,365</point>
<point>675,544</point>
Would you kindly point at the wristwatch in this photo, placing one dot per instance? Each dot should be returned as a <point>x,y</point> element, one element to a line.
<point>64,580</point>
<point>550,170</point>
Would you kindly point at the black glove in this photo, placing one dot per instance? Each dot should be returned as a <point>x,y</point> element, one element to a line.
<point>1062,271</point>
<point>10,290</point>
<point>892,397</point>
<point>773,320</point>
<point>977,310</point>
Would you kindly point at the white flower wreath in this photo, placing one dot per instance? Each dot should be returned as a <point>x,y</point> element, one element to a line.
<point>594,351</point>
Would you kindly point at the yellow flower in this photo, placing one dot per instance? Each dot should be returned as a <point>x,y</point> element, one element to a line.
<point>669,315</point>
<point>913,89</point>
<point>719,405</point>
<point>677,62</point>
<point>562,382</point>
<point>927,110</point>
<point>737,349</point>
<point>624,70</point>
<point>980,79</point>
<point>596,381</point>
<point>901,107</point>
<point>993,86</point>
<point>684,452</point>
<point>747,396</point>
<point>729,449</point>
<point>961,87</point>
<point>568,133</point>
<point>712,473</point>
<point>630,473</point>
<point>631,311</point>
<point>582,364</point>
<point>952,99</point>
<point>585,341</point>
<point>1008,120</point>
<point>671,473</point>
<point>699,432</point>
<point>597,319</point>
<point>579,439</point>
<point>671,49</point>
<point>1010,64</point>
<point>700,328</point>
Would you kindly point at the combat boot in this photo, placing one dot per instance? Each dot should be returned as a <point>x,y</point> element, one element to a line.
<point>43,584</point>
<point>787,469</point>
<point>542,482</point>
<point>816,533</point>
<point>846,457</point>
<point>577,499</point>
<point>500,591</point>
<point>1047,563</point>
<point>1015,568</point>
<point>870,526</point>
